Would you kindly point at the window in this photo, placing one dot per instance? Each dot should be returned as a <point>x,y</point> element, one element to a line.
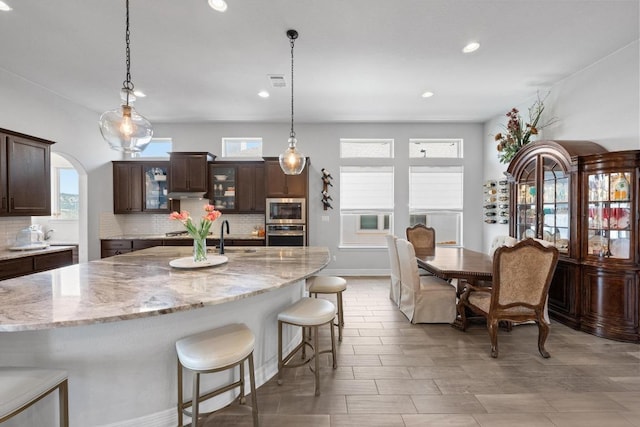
<point>436,200</point>
<point>242,147</point>
<point>366,205</point>
<point>366,148</point>
<point>435,148</point>
<point>157,148</point>
<point>65,195</point>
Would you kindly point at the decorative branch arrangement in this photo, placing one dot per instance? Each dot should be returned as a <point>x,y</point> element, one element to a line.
<point>326,182</point>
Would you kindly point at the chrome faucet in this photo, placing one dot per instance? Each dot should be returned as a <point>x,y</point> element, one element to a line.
<point>222,235</point>
<point>48,234</point>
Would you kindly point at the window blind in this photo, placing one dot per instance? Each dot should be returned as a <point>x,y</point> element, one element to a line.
<point>364,188</point>
<point>435,187</point>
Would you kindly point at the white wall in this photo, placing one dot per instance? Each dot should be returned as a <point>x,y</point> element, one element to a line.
<point>320,142</point>
<point>600,103</point>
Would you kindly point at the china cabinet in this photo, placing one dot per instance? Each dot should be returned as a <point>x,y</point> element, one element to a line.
<point>584,200</point>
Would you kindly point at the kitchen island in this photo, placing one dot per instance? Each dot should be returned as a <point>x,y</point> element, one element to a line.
<point>113,323</point>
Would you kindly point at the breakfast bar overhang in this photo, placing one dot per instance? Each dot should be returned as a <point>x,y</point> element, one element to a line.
<point>112,324</point>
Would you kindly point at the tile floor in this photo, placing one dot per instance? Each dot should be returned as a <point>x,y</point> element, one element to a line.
<point>392,373</point>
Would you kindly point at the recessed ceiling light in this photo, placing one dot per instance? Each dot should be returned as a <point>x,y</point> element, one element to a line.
<point>471,47</point>
<point>4,7</point>
<point>427,94</point>
<point>263,94</point>
<point>219,5</point>
<point>139,93</point>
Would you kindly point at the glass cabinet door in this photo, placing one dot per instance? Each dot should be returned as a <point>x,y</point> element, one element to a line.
<point>223,187</point>
<point>555,205</point>
<point>609,214</point>
<point>526,206</point>
<point>542,203</point>
<point>155,188</point>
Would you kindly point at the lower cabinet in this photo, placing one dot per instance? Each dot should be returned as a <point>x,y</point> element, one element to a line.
<point>35,263</point>
<point>111,247</point>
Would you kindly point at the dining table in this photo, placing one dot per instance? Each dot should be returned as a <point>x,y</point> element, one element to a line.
<point>459,266</point>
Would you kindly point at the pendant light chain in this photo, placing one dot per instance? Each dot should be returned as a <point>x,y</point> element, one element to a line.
<point>293,134</point>
<point>128,84</point>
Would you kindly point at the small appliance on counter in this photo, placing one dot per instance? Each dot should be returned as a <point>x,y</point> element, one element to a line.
<point>29,238</point>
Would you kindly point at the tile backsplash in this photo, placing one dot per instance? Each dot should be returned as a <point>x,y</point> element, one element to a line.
<point>9,228</point>
<point>117,225</point>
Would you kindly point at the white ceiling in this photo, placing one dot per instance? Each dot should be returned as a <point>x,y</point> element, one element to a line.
<point>355,60</point>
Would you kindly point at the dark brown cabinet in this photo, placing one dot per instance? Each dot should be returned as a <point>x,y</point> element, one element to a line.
<point>280,185</point>
<point>251,191</point>
<point>25,177</point>
<point>111,247</point>
<point>585,201</point>
<point>141,187</point>
<point>188,171</point>
<point>237,187</point>
<point>34,263</point>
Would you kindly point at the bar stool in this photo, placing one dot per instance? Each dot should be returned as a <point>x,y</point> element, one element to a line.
<point>214,351</point>
<point>309,313</point>
<point>22,387</point>
<point>330,285</point>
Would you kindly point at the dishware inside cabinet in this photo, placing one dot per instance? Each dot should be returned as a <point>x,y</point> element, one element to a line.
<point>223,187</point>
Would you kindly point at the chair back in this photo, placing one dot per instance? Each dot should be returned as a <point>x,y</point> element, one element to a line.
<point>501,240</point>
<point>422,238</point>
<point>394,292</point>
<point>409,276</point>
<point>522,274</point>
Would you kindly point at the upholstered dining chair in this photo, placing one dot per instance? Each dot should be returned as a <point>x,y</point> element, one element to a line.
<point>422,238</point>
<point>394,289</point>
<point>423,299</point>
<point>521,278</point>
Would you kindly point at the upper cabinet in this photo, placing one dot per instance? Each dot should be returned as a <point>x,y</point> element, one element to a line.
<point>188,171</point>
<point>141,187</point>
<point>25,175</point>
<point>237,187</point>
<point>280,185</point>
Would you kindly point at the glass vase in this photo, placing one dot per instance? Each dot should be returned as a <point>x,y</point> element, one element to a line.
<point>199,249</point>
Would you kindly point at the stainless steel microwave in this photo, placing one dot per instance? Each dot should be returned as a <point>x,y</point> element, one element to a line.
<point>286,211</point>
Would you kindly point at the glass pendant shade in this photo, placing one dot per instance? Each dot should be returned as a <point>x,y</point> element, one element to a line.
<point>292,161</point>
<point>126,130</point>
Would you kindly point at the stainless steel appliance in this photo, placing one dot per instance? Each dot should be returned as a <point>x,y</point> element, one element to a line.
<point>286,235</point>
<point>286,211</point>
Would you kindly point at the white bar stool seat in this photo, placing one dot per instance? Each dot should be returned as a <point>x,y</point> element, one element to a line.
<point>330,285</point>
<point>214,351</point>
<point>309,313</point>
<point>22,387</point>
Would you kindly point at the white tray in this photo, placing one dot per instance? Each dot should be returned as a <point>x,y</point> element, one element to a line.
<point>188,262</point>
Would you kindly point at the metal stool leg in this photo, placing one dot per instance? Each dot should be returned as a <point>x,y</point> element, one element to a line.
<point>242,400</point>
<point>316,356</point>
<point>195,400</point>
<point>340,316</point>
<point>180,396</point>
<point>254,397</point>
<point>63,401</point>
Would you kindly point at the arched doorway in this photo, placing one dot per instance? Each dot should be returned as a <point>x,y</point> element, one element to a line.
<point>68,221</point>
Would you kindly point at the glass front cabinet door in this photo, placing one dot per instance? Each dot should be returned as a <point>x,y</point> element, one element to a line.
<point>542,208</point>
<point>156,187</point>
<point>222,187</point>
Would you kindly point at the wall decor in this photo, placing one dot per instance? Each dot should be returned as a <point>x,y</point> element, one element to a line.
<point>326,182</point>
<point>490,201</point>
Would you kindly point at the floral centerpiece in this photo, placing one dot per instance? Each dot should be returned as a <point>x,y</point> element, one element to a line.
<point>200,232</point>
<point>519,133</point>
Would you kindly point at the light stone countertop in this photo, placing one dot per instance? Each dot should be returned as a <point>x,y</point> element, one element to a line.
<point>7,254</point>
<point>142,284</point>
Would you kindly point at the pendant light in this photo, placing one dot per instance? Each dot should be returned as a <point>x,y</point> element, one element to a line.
<point>292,161</point>
<point>123,128</point>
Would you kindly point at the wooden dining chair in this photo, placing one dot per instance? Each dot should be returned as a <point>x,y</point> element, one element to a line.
<point>422,238</point>
<point>521,278</point>
<point>423,299</point>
